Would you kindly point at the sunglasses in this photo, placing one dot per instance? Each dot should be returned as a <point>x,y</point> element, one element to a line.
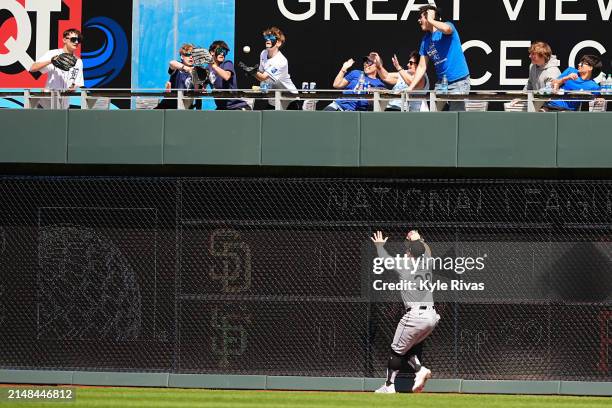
<point>221,51</point>
<point>269,37</point>
<point>74,40</point>
<point>412,63</point>
<point>187,54</point>
<point>583,63</point>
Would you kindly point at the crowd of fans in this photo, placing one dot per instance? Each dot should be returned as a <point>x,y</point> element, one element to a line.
<point>440,45</point>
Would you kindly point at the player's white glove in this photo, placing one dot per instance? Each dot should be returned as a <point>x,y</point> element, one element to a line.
<point>413,235</point>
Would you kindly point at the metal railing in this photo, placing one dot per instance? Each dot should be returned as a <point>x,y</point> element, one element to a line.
<point>379,98</point>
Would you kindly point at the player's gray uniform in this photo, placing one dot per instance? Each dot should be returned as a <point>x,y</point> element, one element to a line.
<point>421,317</point>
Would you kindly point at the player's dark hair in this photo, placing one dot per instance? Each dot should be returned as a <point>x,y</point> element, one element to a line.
<point>218,43</point>
<point>415,54</point>
<point>424,9</point>
<point>415,248</point>
<point>72,30</point>
<point>595,62</point>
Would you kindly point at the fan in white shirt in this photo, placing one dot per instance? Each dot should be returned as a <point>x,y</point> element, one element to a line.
<point>273,66</point>
<point>58,80</point>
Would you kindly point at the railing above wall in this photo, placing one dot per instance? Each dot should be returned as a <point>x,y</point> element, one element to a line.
<point>148,98</point>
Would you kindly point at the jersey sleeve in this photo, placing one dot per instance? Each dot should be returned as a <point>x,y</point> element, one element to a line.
<point>353,75</point>
<point>453,28</point>
<point>565,73</point>
<point>229,66</point>
<point>262,60</point>
<point>47,57</point>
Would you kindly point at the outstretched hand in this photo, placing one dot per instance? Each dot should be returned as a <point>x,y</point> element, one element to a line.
<point>348,64</point>
<point>250,71</point>
<point>396,63</point>
<point>378,238</point>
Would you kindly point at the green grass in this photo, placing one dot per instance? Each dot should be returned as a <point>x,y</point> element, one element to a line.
<point>153,397</point>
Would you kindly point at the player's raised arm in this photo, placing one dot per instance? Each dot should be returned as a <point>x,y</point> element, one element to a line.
<point>380,241</point>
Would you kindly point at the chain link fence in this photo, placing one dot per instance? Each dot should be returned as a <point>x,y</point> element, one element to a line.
<point>265,276</point>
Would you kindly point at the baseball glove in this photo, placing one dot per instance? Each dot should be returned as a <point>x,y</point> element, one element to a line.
<point>200,77</point>
<point>251,71</point>
<point>64,61</point>
<point>201,56</point>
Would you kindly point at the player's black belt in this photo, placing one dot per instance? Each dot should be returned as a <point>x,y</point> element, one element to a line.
<point>420,308</point>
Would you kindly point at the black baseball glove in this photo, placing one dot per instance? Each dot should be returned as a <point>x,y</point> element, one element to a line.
<point>200,77</point>
<point>64,61</point>
<point>201,56</point>
<point>250,71</point>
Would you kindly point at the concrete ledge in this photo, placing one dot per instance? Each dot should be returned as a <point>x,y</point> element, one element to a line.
<point>443,386</point>
<point>262,382</point>
<point>120,379</point>
<point>315,383</point>
<point>241,382</point>
<point>585,388</point>
<point>509,387</point>
<point>35,377</point>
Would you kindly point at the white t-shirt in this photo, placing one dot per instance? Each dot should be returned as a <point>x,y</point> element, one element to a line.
<point>277,68</point>
<point>416,106</point>
<point>58,80</point>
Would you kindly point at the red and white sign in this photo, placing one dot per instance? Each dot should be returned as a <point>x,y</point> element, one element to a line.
<point>26,35</point>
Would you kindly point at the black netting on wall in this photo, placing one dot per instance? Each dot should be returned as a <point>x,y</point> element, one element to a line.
<point>265,276</point>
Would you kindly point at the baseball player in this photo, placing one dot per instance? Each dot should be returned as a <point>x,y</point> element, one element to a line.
<point>64,69</point>
<point>420,318</point>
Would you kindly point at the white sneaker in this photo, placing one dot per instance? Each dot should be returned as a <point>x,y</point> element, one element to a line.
<point>386,389</point>
<point>420,379</point>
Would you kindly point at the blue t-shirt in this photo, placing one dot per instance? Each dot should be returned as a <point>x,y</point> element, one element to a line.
<point>353,81</point>
<point>446,54</point>
<point>574,85</point>
<point>179,79</point>
<point>232,83</point>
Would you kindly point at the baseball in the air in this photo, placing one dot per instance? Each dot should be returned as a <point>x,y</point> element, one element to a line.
<point>246,49</point>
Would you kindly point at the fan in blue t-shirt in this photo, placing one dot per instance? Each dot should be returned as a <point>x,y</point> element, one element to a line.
<point>442,46</point>
<point>356,82</point>
<point>573,79</point>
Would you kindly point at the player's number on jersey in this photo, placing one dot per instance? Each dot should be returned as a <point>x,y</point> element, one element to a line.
<point>424,277</point>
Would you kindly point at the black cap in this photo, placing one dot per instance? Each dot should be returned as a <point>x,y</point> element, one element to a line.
<point>416,248</point>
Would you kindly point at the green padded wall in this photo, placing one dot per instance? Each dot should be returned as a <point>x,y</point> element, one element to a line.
<point>396,139</point>
<point>507,139</point>
<point>33,136</point>
<point>115,137</point>
<point>223,137</point>
<point>310,138</point>
<point>585,139</point>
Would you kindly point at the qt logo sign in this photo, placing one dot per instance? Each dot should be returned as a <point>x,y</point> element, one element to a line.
<point>28,29</point>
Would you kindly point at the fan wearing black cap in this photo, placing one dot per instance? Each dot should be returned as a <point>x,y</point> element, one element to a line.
<point>355,82</point>
<point>420,318</point>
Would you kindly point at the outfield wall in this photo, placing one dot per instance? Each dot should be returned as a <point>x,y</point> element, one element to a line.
<point>143,280</point>
<point>347,139</point>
